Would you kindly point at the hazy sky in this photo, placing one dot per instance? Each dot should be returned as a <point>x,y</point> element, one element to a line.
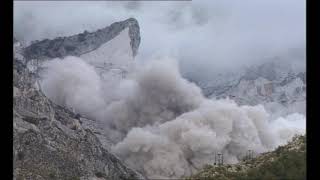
<point>202,34</point>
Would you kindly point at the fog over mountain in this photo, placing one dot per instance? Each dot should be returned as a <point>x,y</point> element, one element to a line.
<point>178,82</point>
<point>204,35</point>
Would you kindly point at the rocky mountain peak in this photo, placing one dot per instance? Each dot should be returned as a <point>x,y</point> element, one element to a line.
<point>85,42</point>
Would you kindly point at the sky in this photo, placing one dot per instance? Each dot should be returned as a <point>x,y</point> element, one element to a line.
<point>203,35</point>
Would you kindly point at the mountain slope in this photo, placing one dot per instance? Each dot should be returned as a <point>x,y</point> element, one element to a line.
<point>49,141</point>
<point>278,84</point>
<point>110,51</point>
<point>286,162</point>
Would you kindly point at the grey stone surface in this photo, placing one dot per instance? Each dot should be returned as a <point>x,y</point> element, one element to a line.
<point>49,141</point>
<point>268,82</point>
<point>82,43</point>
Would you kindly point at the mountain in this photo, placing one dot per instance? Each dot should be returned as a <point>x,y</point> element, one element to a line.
<point>286,162</point>
<point>50,141</point>
<point>83,43</point>
<point>277,84</point>
<point>53,142</point>
<point>110,50</point>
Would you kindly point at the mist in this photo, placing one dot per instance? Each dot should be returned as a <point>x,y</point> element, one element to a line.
<point>223,35</point>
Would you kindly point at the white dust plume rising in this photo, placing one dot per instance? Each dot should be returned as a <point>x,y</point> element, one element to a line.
<point>166,127</point>
<point>73,83</point>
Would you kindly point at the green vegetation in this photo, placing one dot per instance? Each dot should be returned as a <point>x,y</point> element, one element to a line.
<point>75,178</point>
<point>289,165</point>
<point>286,162</point>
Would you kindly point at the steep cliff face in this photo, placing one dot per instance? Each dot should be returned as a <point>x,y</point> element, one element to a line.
<point>110,50</point>
<point>273,84</point>
<point>263,84</point>
<point>49,141</point>
<point>83,43</point>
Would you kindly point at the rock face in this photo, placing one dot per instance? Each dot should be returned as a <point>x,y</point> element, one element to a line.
<point>264,83</point>
<point>270,84</point>
<point>49,141</point>
<point>110,51</point>
<point>82,43</point>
